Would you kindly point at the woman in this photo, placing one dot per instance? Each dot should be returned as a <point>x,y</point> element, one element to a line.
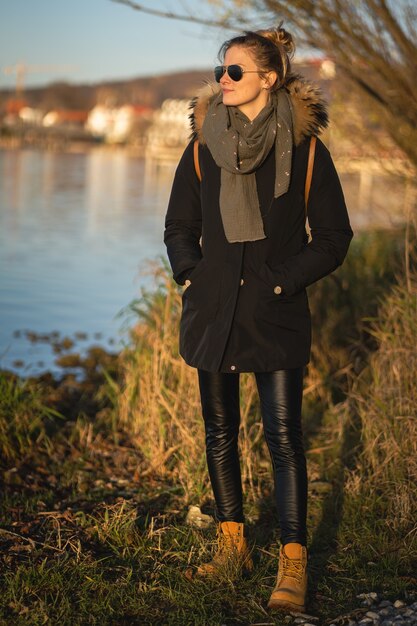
<point>237,241</point>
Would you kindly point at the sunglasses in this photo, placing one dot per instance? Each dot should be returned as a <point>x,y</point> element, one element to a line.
<point>235,72</point>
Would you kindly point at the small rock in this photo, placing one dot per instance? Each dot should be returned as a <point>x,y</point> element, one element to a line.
<point>386,611</point>
<point>399,603</point>
<point>299,620</point>
<point>368,598</point>
<point>196,518</point>
<point>368,594</point>
<point>372,615</point>
<point>387,622</point>
<point>365,621</point>
<point>384,603</point>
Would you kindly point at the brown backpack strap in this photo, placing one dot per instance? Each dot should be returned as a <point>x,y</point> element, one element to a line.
<point>196,161</point>
<point>310,166</point>
<point>309,176</point>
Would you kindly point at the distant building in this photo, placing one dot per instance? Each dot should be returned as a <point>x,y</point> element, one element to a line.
<point>64,117</point>
<point>100,121</point>
<point>30,115</point>
<point>116,124</point>
<point>13,106</point>
<point>17,111</point>
<point>169,131</point>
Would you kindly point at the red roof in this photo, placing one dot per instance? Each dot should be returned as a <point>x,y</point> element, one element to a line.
<point>14,106</point>
<point>66,115</point>
<point>141,109</point>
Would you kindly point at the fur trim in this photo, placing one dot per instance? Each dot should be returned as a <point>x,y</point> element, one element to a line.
<point>309,107</point>
<point>198,106</point>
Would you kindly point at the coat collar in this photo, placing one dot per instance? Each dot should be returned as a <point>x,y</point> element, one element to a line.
<point>310,109</point>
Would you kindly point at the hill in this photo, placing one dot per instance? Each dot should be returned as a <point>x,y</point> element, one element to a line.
<point>150,91</point>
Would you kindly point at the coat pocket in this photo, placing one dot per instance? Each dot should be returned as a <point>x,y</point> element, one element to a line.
<point>202,295</point>
<point>277,308</point>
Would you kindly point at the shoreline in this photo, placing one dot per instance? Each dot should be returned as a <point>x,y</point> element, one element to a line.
<point>68,360</point>
<point>70,146</point>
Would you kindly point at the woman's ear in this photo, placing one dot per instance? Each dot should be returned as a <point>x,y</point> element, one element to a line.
<point>270,79</point>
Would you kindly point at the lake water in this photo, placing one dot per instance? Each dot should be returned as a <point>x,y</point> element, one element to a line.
<point>76,233</point>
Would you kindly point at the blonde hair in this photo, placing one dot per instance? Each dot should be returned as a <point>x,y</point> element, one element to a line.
<point>272,50</point>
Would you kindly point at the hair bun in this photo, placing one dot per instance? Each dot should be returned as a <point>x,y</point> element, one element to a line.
<point>280,37</point>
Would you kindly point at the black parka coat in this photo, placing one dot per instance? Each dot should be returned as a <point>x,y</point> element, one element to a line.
<point>246,308</point>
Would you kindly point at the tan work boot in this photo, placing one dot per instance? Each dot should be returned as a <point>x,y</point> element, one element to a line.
<point>291,586</point>
<point>232,553</point>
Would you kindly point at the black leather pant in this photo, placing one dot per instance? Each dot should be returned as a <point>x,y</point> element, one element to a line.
<point>280,395</point>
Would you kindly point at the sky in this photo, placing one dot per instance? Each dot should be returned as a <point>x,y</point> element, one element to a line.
<point>100,40</point>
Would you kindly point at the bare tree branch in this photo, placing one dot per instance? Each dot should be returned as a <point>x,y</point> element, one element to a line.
<point>176,16</point>
<point>396,31</point>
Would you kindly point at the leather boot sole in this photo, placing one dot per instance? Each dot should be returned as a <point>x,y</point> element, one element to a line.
<point>282,605</point>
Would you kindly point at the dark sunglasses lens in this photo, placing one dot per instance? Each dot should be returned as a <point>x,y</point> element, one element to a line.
<point>235,72</point>
<point>218,72</point>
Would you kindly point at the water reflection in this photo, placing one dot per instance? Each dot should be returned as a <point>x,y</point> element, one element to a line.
<point>76,231</point>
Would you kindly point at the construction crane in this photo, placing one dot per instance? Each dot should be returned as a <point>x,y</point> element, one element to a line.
<point>21,69</point>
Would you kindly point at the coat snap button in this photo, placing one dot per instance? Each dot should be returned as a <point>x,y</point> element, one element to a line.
<point>233,367</point>
<point>277,289</point>
<point>241,281</point>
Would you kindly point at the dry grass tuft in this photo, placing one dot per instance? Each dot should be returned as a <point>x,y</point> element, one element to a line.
<point>386,400</point>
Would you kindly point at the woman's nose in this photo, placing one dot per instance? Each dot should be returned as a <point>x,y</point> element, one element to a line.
<point>225,79</point>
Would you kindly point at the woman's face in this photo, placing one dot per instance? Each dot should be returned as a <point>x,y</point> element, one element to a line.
<point>251,93</point>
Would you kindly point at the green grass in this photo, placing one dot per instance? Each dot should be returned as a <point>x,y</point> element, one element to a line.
<point>124,563</point>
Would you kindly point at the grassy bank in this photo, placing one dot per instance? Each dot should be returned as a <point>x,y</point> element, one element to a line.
<point>98,475</point>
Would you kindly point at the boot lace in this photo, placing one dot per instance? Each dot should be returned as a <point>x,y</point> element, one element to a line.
<point>293,568</point>
<point>227,542</point>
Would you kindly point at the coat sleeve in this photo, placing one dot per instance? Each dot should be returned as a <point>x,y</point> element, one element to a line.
<point>183,219</point>
<point>330,229</point>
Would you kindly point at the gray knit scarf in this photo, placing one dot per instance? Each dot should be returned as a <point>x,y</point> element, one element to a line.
<point>239,147</point>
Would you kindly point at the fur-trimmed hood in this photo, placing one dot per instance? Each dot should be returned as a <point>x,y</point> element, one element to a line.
<point>309,107</point>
